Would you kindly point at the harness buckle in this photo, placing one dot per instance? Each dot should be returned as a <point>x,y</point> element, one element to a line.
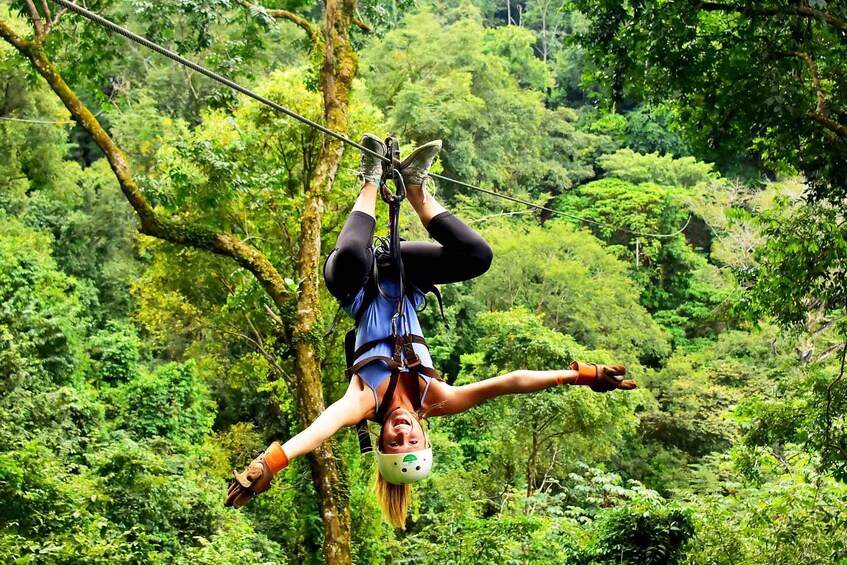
<point>398,351</point>
<point>412,359</point>
<point>391,171</point>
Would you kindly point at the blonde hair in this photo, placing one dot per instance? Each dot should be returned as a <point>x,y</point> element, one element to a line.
<point>394,500</point>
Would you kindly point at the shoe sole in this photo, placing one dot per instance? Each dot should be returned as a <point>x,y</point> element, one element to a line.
<point>423,148</point>
<point>380,146</point>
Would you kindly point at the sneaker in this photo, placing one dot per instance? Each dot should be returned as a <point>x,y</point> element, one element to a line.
<point>370,167</point>
<point>415,167</point>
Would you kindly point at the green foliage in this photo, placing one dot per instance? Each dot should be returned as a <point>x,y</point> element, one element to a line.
<point>516,339</point>
<point>136,375</point>
<point>651,130</point>
<point>698,391</point>
<point>480,91</point>
<point>502,539</point>
<point>74,490</point>
<point>648,195</point>
<point>801,262</point>
<point>39,311</point>
<point>115,353</point>
<point>642,533</point>
<point>793,519</point>
<point>809,409</point>
<point>582,289</point>
<point>699,57</point>
<point>664,170</point>
<point>595,519</point>
<point>171,403</point>
<point>236,543</point>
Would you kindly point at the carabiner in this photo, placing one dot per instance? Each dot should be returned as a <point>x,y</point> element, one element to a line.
<point>391,171</point>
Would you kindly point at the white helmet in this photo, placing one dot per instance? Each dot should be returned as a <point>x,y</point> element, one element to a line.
<point>404,468</point>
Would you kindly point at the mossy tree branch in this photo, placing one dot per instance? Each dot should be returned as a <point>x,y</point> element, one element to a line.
<point>279,14</point>
<point>152,223</point>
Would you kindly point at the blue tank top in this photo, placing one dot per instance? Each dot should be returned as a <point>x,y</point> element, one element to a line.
<point>375,323</point>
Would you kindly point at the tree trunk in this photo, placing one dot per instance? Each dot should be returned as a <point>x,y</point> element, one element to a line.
<point>337,72</point>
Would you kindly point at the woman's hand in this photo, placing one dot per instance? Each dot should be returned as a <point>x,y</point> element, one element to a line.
<point>602,378</point>
<point>257,477</point>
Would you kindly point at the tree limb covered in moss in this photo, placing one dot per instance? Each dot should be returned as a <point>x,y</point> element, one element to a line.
<point>279,14</point>
<point>153,224</point>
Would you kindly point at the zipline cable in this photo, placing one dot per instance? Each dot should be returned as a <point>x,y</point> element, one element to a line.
<point>31,121</point>
<point>210,74</point>
<point>291,114</point>
<point>559,212</point>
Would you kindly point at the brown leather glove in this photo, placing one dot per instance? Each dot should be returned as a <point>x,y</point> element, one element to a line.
<point>602,378</point>
<point>257,477</point>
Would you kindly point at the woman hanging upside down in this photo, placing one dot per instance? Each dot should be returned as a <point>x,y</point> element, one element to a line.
<point>393,382</point>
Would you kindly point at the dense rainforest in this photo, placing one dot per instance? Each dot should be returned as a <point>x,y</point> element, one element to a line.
<point>163,313</point>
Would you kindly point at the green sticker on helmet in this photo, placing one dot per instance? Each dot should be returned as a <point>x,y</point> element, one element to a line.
<point>409,457</point>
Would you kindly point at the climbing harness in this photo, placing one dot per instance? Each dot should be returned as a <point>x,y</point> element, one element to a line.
<point>343,138</point>
<point>387,257</point>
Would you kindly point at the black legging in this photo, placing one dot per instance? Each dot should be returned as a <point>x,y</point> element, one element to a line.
<point>462,255</point>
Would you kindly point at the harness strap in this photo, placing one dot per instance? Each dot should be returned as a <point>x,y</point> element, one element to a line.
<point>389,395</point>
<point>428,372</point>
<point>368,345</point>
<point>392,364</point>
<point>415,391</point>
<point>411,357</point>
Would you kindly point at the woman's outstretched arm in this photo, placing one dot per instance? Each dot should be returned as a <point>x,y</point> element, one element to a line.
<point>600,378</point>
<point>346,411</point>
<point>461,398</point>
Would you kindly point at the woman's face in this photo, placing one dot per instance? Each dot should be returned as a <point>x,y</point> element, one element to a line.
<point>402,432</point>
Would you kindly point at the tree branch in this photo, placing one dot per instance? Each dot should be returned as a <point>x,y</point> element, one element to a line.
<point>279,14</point>
<point>821,113</point>
<point>839,129</point>
<point>829,351</point>
<point>36,20</point>
<point>799,11</point>
<point>153,224</point>
<point>259,346</point>
<point>820,108</point>
<point>360,23</point>
<point>59,15</point>
<point>829,397</point>
<point>47,15</point>
<point>351,7</point>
